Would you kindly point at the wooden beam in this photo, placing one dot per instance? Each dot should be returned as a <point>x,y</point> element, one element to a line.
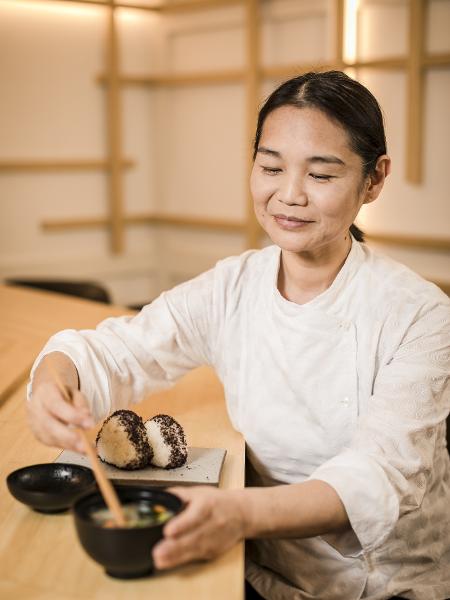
<point>410,241</point>
<point>74,223</point>
<point>186,221</point>
<point>92,2</point>
<point>288,71</point>
<point>180,79</point>
<point>415,94</point>
<point>238,75</point>
<point>191,5</point>
<point>175,7</point>
<point>60,165</point>
<point>114,114</point>
<point>390,63</point>
<point>428,243</point>
<point>146,219</point>
<point>253,230</point>
<point>339,9</point>
<point>436,60</point>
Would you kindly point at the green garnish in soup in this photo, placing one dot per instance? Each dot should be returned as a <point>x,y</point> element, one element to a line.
<point>137,514</point>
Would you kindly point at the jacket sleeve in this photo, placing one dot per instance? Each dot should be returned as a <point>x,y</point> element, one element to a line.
<point>398,451</point>
<point>125,358</point>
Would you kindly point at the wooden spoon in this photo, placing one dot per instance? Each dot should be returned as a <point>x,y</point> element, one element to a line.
<point>107,490</point>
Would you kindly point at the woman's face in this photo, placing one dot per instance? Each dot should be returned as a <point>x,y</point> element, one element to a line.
<point>307,184</point>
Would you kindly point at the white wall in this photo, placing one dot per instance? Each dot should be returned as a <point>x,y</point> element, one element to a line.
<point>188,143</point>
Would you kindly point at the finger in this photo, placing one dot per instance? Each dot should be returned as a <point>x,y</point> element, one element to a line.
<point>65,437</point>
<point>65,412</point>
<point>174,552</point>
<point>52,432</point>
<point>161,555</point>
<point>190,518</point>
<point>46,427</point>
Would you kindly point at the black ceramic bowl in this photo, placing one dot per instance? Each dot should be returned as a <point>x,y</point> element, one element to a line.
<point>50,487</point>
<point>123,552</point>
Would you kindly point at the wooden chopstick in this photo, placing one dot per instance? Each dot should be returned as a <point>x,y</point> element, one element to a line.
<point>106,488</point>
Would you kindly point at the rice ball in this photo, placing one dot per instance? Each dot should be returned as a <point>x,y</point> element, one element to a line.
<point>122,441</point>
<point>168,441</point>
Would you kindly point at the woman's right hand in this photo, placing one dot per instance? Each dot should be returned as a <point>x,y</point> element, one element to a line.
<point>51,418</point>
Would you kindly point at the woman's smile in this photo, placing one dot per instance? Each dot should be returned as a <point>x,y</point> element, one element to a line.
<point>291,223</point>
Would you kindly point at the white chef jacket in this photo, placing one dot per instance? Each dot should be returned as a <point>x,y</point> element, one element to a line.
<point>350,388</point>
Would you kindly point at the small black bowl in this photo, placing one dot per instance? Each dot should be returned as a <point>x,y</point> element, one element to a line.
<point>124,552</point>
<point>50,487</point>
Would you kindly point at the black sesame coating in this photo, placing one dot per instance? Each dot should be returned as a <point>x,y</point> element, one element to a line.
<point>173,435</point>
<point>137,436</point>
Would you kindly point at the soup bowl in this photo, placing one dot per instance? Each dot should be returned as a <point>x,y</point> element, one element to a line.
<point>124,552</point>
<point>50,487</point>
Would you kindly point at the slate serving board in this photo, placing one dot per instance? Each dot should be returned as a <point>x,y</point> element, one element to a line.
<point>203,467</point>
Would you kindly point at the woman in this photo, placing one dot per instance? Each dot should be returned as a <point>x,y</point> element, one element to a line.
<point>334,362</point>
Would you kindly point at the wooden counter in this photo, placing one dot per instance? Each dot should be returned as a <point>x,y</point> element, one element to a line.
<point>40,556</point>
<point>29,317</point>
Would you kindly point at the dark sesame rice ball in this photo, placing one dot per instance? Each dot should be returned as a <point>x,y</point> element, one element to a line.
<point>168,442</point>
<point>122,441</point>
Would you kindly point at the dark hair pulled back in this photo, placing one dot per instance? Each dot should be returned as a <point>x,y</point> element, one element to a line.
<point>344,100</point>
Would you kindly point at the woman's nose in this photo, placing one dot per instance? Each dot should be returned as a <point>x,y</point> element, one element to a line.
<point>293,194</point>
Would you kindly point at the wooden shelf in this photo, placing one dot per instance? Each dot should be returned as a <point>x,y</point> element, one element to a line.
<point>105,3</point>
<point>410,241</point>
<point>193,5</point>
<point>238,75</point>
<point>146,219</point>
<point>175,7</point>
<point>389,64</point>
<point>60,165</point>
<point>436,60</point>
<point>180,79</point>
<point>429,243</point>
<point>286,71</point>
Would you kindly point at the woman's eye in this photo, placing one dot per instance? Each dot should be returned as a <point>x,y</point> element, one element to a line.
<point>321,177</point>
<point>271,170</point>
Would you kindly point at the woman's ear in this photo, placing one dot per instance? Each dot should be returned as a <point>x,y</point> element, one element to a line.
<point>377,177</point>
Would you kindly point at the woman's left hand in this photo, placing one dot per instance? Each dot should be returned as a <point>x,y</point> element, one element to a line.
<point>211,523</point>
